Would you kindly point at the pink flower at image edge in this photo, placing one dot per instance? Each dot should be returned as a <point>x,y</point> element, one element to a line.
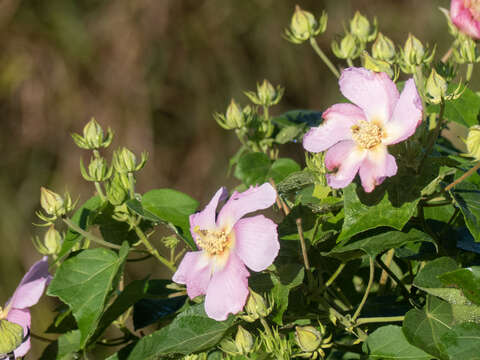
<point>228,243</point>
<point>27,294</point>
<point>357,135</point>
<point>465,14</point>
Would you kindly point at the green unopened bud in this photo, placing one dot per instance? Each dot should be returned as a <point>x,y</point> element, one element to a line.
<point>234,116</point>
<point>93,136</point>
<point>170,242</point>
<point>11,336</point>
<point>125,161</point>
<point>383,48</point>
<point>466,50</point>
<point>414,50</point>
<point>266,95</point>
<point>304,26</point>
<point>98,170</point>
<point>256,307</point>
<point>473,142</point>
<point>436,88</point>
<point>52,241</point>
<point>117,189</point>
<point>244,341</point>
<point>349,47</point>
<point>51,202</point>
<point>360,27</point>
<point>376,65</point>
<point>308,338</point>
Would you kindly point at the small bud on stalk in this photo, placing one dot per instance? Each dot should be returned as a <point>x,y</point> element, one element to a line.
<point>267,94</point>
<point>349,47</point>
<point>244,341</point>
<point>125,161</point>
<point>473,142</point>
<point>360,27</point>
<point>308,338</point>
<point>414,54</point>
<point>93,136</point>
<point>304,26</point>
<point>383,48</point>
<point>98,170</point>
<point>256,307</point>
<point>52,242</point>
<point>54,205</point>
<point>117,189</point>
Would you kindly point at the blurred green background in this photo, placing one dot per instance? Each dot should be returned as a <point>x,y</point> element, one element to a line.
<point>154,71</point>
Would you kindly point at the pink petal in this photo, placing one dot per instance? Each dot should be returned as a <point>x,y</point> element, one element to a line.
<point>377,166</point>
<point>195,272</point>
<point>22,318</point>
<point>373,92</point>
<point>205,219</point>
<point>32,286</point>
<point>240,204</point>
<point>256,242</point>
<point>407,115</point>
<point>346,157</point>
<point>464,19</point>
<point>338,120</point>
<point>228,290</point>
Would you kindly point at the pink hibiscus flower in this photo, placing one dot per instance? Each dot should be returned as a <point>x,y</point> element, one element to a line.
<point>26,295</point>
<point>465,14</point>
<point>227,243</point>
<point>356,135</point>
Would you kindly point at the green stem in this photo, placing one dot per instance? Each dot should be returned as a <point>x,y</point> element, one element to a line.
<point>469,72</point>
<point>131,180</point>
<point>324,57</point>
<point>463,177</point>
<point>100,191</point>
<point>349,62</point>
<point>436,133</point>
<point>152,250</point>
<point>304,252</point>
<point>88,235</point>
<point>362,321</point>
<point>265,113</point>
<point>335,275</point>
<point>390,273</point>
<point>266,327</point>
<point>367,291</point>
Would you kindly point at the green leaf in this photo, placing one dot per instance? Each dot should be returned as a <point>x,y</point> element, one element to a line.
<point>281,168</point>
<point>377,244</point>
<point>252,168</point>
<point>467,197</point>
<point>296,181</point>
<point>463,110</point>
<point>288,277</point>
<point>428,281</point>
<point>424,328</point>
<point>298,118</point>
<point>84,282</point>
<point>172,206</point>
<point>289,133</point>
<point>360,216</point>
<point>83,217</point>
<point>191,331</point>
<point>389,342</point>
<point>468,280</point>
<point>463,341</point>
<point>64,348</point>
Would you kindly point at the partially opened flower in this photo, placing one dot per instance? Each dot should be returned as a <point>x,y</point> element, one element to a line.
<point>465,14</point>
<point>27,294</point>
<point>356,135</point>
<point>227,243</point>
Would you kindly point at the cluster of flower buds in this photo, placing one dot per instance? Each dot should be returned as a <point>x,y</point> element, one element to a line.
<point>414,54</point>
<point>93,136</point>
<point>117,189</point>
<point>276,344</point>
<point>466,51</point>
<point>304,26</point>
<point>51,244</point>
<point>312,341</point>
<point>436,89</point>
<point>266,95</point>
<point>256,307</point>
<point>54,205</point>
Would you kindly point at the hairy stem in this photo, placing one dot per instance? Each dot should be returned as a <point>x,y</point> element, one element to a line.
<point>154,252</point>
<point>324,57</point>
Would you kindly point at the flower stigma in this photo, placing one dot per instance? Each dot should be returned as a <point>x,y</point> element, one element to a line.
<point>213,242</point>
<point>367,134</point>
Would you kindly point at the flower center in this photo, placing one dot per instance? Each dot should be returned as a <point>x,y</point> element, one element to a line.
<point>366,134</point>
<point>213,242</point>
<point>474,6</point>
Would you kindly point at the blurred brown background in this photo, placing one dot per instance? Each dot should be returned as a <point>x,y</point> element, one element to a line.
<point>154,71</point>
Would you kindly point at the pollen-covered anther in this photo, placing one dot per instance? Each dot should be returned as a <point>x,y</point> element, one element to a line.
<point>213,242</point>
<point>367,134</point>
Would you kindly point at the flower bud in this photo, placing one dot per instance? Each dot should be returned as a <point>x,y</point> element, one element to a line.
<point>234,116</point>
<point>360,27</point>
<point>376,65</point>
<point>244,341</point>
<point>466,51</point>
<point>93,136</point>
<point>125,161</point>
<point>51,202</point>
<point>304,26</point>
<point>11,336</point>
<point>349,47</point>
<point>98,170</point>
<point>52,241</point>
<point>383,48</point>
<point>436,88</point>
<point>308,338</point>
<point>414,50</point>
<point>256,306</point>
<point>117,189</point>
<point>473,142</point>
<point>267,94</point>
<point>170,242</point>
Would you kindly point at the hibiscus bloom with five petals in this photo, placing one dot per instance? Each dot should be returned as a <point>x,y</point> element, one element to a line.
<point>357,135</point>
<point>228,242</point>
